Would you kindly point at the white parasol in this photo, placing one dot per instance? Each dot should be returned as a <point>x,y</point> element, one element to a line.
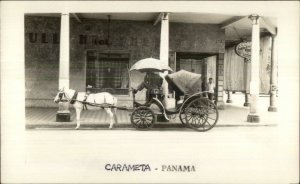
<point>150,64</point>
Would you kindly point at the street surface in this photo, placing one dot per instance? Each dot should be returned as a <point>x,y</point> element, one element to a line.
<point>224,154</point>
<point>232,152</point>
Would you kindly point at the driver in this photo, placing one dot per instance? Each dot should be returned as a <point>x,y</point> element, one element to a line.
<point>153,83</point>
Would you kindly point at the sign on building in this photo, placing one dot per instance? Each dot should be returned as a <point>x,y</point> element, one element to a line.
<point>243,49</point>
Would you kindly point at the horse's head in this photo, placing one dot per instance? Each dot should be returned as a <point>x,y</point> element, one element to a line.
<point>64,95</point>
<point>61,96</point>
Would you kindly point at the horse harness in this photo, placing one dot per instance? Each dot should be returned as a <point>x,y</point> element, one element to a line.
<point>74,99</point>
<point>60,95</point>
<point>84,101</point>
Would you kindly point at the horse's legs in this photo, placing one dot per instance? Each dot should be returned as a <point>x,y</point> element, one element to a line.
<point>115,115</point>
<point>111,115</point>
<point>78,111</point>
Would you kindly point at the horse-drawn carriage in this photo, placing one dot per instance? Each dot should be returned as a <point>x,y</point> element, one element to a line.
<point>195,110</point>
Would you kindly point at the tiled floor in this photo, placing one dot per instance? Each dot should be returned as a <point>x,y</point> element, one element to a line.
<point>48,115</point>
<point>46,118</point>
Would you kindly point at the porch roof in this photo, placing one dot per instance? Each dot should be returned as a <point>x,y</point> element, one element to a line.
<point>236,27</point>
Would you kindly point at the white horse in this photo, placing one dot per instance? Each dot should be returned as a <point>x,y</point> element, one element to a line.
<point>79,98</point>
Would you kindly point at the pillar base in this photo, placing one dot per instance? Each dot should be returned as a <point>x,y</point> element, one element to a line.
<point>246,104</point>
<point>228,101</point>
<point>220,105</point>
<point>253,118</point>
<point>272,109</point>
<point>63,116</point>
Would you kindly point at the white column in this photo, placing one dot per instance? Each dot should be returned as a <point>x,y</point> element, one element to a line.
<point>63,113</point>
<point>64,52</point>
<point>273,80</point>
<point>247,64</point>
<point>254,80</point>
<point>229,100</point>
<point>164,46</point>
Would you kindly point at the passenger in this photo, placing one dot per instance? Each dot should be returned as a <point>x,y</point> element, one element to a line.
<point>153,83</point>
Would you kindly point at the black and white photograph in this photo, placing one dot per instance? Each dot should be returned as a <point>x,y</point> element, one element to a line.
<point>150,91</point>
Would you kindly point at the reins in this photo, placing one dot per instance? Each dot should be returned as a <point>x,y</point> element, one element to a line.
<point>62,95</point>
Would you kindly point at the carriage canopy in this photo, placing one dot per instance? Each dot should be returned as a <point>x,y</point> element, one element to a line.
<point>185,82</point>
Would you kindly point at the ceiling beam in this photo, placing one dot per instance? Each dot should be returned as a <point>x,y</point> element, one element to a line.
<point>233,22</point>
<point>264,23</point>
<point>272,29</point>
<point>237,33</point>
<point>158,19</point>
<point>76,17</point>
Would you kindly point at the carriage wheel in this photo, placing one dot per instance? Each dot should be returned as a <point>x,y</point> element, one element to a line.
<point>201,114</point>
<point>142,118</point>
<point>182,116</point>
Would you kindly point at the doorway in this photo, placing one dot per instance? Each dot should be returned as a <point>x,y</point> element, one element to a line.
<point>200,63</point>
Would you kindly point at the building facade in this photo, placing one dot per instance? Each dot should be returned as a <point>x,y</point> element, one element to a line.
<point>103,50</point>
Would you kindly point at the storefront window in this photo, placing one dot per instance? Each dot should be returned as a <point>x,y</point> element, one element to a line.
<point>108,72</point>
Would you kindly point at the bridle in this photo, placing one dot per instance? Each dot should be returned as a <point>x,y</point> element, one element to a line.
<point>61,95</point>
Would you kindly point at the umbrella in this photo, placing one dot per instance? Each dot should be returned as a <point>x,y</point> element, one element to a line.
<point>185,82</point>
<point>150,64</point>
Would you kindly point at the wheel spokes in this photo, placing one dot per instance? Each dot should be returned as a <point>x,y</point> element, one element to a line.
<point>142,118</point>
<point>201,114</point>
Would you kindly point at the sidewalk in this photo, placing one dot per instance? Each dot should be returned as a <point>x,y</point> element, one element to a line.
<point>233,115</point>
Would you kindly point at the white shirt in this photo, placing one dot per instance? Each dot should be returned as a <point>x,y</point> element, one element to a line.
<point>211,87</point>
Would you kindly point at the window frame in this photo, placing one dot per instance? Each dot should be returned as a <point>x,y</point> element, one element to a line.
<point>91,72</point>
